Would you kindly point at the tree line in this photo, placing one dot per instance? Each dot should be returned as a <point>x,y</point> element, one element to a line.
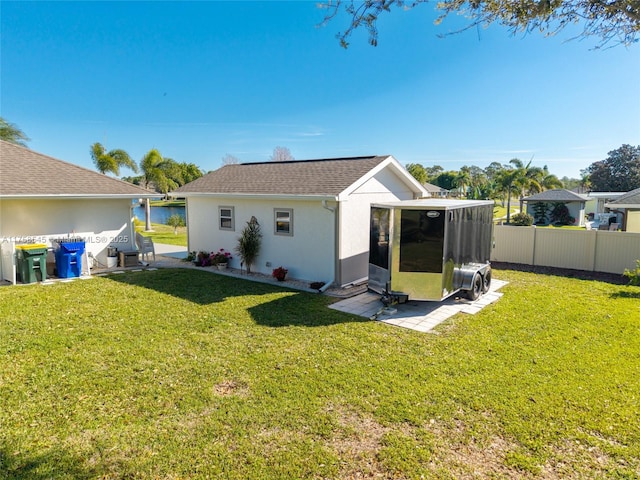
<point>163,174</point>
<point>495,182</point>
<point>619,172</point>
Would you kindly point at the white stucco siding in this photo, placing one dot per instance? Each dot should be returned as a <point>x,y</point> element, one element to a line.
<point>576,210</point>
<point>308,254</point>
<point>202,224</point>
<point>578,214</point>
<point>354,221</point>
<point>102,222</point>
<point>385,181</point>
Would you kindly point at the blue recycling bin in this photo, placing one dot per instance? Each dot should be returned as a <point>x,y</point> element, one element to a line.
<point>69,258</point>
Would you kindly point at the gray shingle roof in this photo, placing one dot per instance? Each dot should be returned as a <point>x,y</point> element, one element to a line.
<point>556,195</point>
<point>631,198</point>
<point>431,188</point>
<point>25,173</point>
<point>327,177</point>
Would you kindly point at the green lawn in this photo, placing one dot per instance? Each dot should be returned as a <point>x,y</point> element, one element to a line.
<point>187,374</point>
<point>500,212</point>
<point>165,234</point>
<point>167,203</point>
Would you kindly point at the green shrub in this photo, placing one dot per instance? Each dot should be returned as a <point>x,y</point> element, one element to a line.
<point>633,275</point>
<point>560,215</point>
<point>521,219</point>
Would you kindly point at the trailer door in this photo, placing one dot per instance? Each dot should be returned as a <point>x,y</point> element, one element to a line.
<point>379,232</point>
<point>421,241</point>
<point>417,265</point>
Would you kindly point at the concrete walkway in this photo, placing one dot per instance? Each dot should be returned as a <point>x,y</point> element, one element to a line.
<point>173,251</point>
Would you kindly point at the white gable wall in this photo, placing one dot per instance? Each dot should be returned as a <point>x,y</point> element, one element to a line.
<point>576,210</point>
<point>385,186</point>
<point>102,222</point>
<point>309,254</point>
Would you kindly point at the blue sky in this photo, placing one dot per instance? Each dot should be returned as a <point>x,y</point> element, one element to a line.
<point>199,80</point>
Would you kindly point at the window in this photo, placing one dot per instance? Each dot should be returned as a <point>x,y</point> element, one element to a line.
<point>421,241</point>
<point>284,221</point>
<point>225,215</point>
<point>379,237</point>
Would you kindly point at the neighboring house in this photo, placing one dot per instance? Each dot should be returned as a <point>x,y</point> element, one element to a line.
<point>597,200</point>
<point>629,206</point>
<point>43,198</point>
<point>314,214</point>
<point>435,190</point>
<point>541,206</point>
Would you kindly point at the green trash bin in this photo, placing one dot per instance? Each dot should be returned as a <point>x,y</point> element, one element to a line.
<point>32,262</point>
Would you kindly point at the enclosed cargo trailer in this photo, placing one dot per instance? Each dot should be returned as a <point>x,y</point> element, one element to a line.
<point>430,249</point>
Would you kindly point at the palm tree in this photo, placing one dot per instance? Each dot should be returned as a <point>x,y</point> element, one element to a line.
<point>550,181</point>
<point>463,180</point>
<point>585,181</point>
<point>111,161</point>
<point>522,180</point>
<point>151,173</point>
<point>507,179</point>
<point>528,179</point>
<point>533,180</point>
<point>154,172</point>
<point>12,133</point>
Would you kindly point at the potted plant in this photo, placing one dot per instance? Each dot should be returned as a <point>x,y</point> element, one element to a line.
<point>220,258</point>
<point>249,243</point>
<point>279,273</point>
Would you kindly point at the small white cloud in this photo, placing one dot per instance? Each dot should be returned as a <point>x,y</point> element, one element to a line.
<point>311,134</point>
<point>584,147</point>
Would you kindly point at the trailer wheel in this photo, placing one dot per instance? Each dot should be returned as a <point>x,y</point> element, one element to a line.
<point>476,288</point>
<point>486,281</point>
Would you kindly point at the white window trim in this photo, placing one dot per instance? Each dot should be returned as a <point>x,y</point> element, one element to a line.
<point>275,222</point>
<point>220,217</point>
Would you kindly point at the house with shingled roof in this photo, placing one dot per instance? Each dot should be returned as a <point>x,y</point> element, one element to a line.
<point>43,198</point>
<point>435,190</point>
<point>574,202</point>
<point>314,214</point>
<point>629,206</point>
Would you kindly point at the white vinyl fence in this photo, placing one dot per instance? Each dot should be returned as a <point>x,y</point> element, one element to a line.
<point>590,250</point>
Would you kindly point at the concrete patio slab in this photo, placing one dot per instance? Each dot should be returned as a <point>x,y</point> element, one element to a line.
<point>415,315</point>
